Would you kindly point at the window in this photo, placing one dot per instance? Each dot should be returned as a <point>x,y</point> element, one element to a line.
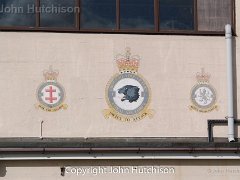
<point>137,14</point>
<point>57,13</point>
<point>119,16</point>
<point>176,14</point>
<point>98,14</point>
<point>17,13</point>
<point>213,15</point>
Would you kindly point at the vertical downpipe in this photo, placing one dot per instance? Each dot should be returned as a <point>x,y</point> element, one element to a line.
<point>230,117</point>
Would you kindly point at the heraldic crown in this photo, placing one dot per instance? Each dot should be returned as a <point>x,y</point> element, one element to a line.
<point>128,63</point>
<point>203,77</point>
<point>50,75</point>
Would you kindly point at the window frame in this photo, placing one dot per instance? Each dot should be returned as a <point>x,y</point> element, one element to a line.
<point>156,30</point>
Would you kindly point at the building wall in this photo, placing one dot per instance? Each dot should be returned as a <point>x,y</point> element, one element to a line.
<point>86,63</point>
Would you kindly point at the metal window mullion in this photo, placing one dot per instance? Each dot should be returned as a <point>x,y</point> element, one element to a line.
<point>156,15</point>
<point>117,15</point>
<point>77,14</point>
<point>195,16</point>
<point>37,12</point>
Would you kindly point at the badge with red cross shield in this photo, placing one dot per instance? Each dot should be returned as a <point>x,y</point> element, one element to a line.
<point>50,93</point>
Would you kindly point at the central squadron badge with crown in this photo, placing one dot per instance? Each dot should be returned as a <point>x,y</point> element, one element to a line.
<point>50,93</point>
<point>127,93</point>
<point>203,95</point>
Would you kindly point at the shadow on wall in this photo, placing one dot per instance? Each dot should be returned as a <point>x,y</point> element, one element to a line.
<point>3,170</point>
<point>235,86</point>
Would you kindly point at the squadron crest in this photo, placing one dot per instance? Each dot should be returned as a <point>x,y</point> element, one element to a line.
<point>51,94</point>
<point>203,95</point>
<point>127,93</point>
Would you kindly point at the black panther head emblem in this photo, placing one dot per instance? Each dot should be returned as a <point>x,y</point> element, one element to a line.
<point>131,93</point>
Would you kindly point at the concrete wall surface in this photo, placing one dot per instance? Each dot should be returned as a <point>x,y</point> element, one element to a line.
<point>86,64</point>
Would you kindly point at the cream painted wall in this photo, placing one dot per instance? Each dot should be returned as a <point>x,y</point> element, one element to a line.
<point>237,5</point>
<point>183,169</point>
<point>86,63</point>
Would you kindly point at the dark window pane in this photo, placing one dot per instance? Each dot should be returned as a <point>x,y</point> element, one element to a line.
<point>97,14</point>
<point>213,15</point>
<point>176,14</point>
<point>137,14</point>
<point>17,13</point>
<point>58,13</point>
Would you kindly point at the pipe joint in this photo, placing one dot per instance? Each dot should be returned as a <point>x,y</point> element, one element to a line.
<point>228,31</point>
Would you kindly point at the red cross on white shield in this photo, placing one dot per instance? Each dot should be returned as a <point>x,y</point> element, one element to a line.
<point>51,94</point>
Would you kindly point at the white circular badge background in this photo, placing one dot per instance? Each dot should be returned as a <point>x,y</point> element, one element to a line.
<point>126,105</point>
<point>203,100</point>
<point>46,94</point>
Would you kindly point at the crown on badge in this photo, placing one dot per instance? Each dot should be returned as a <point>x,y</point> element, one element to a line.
<point>203,77</point>
<point>128,63</point>
<point>50,75</point>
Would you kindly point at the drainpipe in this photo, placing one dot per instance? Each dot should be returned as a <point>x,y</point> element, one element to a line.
<point>230,117</point>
